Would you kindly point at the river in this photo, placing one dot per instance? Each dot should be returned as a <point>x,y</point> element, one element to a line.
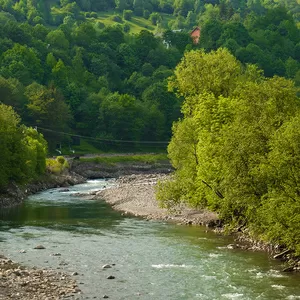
<point>152,260</point>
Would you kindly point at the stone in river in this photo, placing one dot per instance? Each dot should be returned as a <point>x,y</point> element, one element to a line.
<point>106,266</point>
<point>39,247</point>
<point>110,277</point>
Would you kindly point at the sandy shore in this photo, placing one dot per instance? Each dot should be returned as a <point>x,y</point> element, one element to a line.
<point>135,194</point>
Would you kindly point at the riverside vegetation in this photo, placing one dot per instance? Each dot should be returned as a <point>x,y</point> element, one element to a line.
<point>236,146</point>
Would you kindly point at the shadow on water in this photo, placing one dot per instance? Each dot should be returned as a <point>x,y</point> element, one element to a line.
<point>68,216</point>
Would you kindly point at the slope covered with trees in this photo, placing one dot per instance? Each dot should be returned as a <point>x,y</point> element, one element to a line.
<point>65,72</point>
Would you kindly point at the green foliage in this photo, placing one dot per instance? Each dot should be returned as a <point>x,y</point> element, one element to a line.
<point>236,149</point>
<point>199,73</point>
<point>22,63</point>
<point>126,27</point>
<point>57,39</point>
<point>155,18</point>
<point>68,68</point>
<point>127,14</point>
<point>47,107</point>
<point>57,165</point>
<point>23,150</point>
<point>117,18</point>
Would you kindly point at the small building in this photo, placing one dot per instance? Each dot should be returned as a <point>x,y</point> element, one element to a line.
<point>195,34</point>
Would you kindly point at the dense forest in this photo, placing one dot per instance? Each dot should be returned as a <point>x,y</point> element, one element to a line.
<point>67,72</point>
<point>64,71</point>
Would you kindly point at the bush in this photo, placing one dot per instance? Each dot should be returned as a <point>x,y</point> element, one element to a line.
<point>126,27</point>
<point>99,25</point>
<point>58,165</point>
<point>117,18</point>
<point>146,14</point>
<point>94,15</point>
<point>155,18</point>
<point>61,159</point>
<point>87,14</point>
<point>127,14</point>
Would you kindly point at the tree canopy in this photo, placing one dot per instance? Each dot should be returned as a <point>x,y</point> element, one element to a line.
<point>235,149</point>
<point>23,149</point>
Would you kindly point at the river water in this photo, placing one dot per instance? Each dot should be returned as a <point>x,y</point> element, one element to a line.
<point>152,260</point>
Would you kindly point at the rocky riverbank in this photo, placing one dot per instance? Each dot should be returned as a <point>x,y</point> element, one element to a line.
<point>18,282</point>
<point>135,195</point>
<point>15,194</point>
<point>95,170</point>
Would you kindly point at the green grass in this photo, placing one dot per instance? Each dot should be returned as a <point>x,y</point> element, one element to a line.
<point>136,24</point>
<point>86,148</point>
<point>110,160</point>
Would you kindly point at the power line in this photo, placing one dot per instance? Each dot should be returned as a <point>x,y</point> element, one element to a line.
<point>104,140</point>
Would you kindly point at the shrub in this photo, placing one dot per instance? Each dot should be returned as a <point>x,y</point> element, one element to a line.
<point>58,165</point>
<point>94,15</point>
<point>117,18</point>
<point>61,159</point>
<point>99,25</point>
<point>155,18</point>
<point>126,27</point>
<point>146,14</point>
<point>127,14</point>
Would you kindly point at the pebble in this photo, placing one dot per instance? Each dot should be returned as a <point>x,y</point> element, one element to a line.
<point>32,283</point>
<point>106,266</point>
<point>39,247</point>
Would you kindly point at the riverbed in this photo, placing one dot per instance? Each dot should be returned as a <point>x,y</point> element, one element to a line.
<point>148,259</point>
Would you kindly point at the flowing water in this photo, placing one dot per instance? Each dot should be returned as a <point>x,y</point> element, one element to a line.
<point>153,260</point>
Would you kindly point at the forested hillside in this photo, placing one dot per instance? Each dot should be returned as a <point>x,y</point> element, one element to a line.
<point>93,69</point>
<point>64,71</point>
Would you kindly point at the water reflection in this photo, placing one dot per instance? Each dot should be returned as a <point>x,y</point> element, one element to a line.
<point>152,260</point>
<point>62,210</point>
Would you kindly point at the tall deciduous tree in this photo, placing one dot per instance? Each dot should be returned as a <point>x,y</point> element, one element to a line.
<point>23,150</point>
<point>22,63</point>
<point>48,109</point>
